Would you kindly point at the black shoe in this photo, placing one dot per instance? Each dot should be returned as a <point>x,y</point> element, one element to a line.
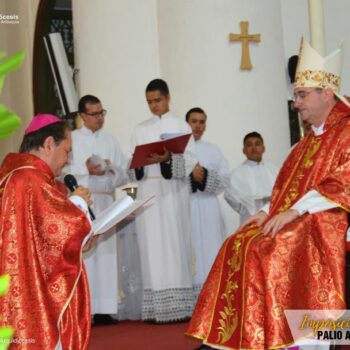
<point>103,319</point>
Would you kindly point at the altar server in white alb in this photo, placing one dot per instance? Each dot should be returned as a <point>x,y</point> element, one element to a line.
<point>164,229</point>
<point>251,183</point>
<point>208,179</point>
<point>99,164</point>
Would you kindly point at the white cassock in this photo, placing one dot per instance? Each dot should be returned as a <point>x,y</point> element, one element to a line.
<point>101,260</point>
<point>164,228</point>
<point>208,232</point>
<point>250,188</point>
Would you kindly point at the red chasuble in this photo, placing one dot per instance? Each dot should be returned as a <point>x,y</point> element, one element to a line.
<point>255,278</point>
<point>41,235</point>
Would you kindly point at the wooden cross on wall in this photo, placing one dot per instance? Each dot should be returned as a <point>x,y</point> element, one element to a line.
<point>244,37</point>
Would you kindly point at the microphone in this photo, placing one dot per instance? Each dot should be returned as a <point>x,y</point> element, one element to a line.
<point>71,182</point>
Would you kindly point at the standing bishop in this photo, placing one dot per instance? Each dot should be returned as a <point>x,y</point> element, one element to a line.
<point>42,233</point>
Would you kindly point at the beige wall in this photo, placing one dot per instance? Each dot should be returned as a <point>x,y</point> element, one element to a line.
<point>336,19</point>
<point>116,57</point>
<point>17,93</point>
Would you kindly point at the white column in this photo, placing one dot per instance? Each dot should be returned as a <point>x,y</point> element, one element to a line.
<point>316,23</point>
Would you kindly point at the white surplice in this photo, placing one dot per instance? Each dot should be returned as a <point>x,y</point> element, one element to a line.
<point>164,228</point>
<point>101,260</point>
<point>208,232</point>
<point>250,188</point>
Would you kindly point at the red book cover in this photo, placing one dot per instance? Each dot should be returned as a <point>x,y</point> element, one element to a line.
<point>143,152</point>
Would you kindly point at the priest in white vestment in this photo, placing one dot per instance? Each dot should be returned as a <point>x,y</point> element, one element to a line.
<point>251,183</point>
<point>99,164</point>
<point>209,178</point>
<point>164,228</point>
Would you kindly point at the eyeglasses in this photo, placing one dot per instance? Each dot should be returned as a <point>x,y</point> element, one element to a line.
<point>301,95</point>
<point>97,114</point>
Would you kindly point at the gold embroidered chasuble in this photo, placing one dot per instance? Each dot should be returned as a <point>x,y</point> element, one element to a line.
<point>41,235</point>
<point>255,278</point>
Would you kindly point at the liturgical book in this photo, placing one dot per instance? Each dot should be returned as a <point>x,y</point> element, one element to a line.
<point>143,152</point>
<point>115,213</point>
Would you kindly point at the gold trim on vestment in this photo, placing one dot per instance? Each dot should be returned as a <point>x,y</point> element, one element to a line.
<point>243,283</point>
<point>317,79</point>
<point>306,163</point>
<point>217,291</point>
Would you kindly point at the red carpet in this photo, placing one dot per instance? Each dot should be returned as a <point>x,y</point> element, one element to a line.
<point>136,335</point>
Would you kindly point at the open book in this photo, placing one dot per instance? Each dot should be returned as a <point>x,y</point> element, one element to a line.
<point>171,135</point>
<point>115,213</point>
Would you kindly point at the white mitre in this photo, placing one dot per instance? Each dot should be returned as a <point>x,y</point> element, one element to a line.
<point>316,71</point>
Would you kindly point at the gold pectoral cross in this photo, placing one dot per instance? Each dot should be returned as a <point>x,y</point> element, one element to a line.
<point>245,38</point>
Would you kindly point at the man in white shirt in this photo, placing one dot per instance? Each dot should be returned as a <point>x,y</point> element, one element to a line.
<point>251,183</point>
<point>164,229</point>
<point>209,178</point>
<point>99,164</point>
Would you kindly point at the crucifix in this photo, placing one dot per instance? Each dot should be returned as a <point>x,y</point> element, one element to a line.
<point>245,38</point>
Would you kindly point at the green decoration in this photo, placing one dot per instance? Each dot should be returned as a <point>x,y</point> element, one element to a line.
<point>4,284</point>
<point>5,332</point>
<point>9,121</point>
<point>5,337</point>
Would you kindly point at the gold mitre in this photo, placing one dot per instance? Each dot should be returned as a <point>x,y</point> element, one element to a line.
<point>316,71</point>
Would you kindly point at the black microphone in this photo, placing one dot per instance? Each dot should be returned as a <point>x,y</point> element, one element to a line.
<point>72,184</point>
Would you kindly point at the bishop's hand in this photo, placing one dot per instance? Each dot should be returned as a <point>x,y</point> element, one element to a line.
<point>279,221</point>
<point>84,193</point>
<point>89,244</point>
<point>257,219</point>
